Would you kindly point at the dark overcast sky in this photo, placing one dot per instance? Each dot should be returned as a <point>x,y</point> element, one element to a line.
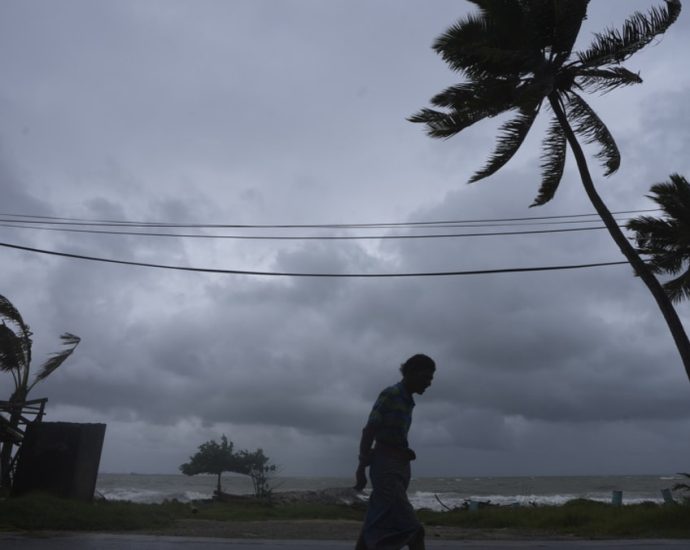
<point>293,112</point>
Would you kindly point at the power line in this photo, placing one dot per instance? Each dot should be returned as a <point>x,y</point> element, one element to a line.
<point>54,220</point>
<point>304,237</point>
<point>404,225</point>
<point>411,225</point>
<point>306,274</point>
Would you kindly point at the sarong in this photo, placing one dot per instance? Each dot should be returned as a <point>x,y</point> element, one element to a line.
<point>390,522</point>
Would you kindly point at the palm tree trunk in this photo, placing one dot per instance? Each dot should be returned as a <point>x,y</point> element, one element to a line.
<point>640,267</point>
<point>17,400</point>
<point>5,462</point>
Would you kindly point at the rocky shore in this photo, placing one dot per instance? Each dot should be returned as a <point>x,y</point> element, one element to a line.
<point>333,495</point>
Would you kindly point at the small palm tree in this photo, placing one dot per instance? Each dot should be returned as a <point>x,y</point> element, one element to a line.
<point>667,240</point>
<point>15,358</point>
<point>518,55</point>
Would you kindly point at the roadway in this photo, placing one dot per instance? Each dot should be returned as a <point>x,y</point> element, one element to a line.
<point>97,541</point>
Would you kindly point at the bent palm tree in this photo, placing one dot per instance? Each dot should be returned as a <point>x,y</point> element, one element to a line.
<point>518,54</point>
<point>667,240</point>
<point>15,358</point>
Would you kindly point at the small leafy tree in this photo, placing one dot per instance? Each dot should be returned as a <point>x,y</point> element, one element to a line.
<point>15,358</point>
<point>216,458</point>
<point>213,458</point>
<point>257,466</point>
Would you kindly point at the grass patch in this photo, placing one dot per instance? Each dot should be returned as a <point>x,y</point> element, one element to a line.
<point>258,510</point>
<point>45,512</point>
<point>580,518</point>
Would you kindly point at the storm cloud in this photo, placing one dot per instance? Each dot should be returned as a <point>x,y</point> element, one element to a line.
<point>294,112</point>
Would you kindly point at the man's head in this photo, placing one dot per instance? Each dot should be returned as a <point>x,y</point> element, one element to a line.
<point>418,372</point>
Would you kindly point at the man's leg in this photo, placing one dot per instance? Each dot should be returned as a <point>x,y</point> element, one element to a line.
<point>360,543</point>
<point>417,542</point>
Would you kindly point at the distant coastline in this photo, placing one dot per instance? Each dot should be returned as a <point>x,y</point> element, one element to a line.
<point>430,493</point>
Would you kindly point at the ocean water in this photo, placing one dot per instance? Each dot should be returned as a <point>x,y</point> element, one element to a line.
<point>433,492</point>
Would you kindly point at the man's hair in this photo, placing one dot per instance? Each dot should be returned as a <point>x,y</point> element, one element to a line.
<point>417,362</point>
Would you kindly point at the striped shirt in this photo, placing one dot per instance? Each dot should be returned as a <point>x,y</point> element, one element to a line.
<point>391,416</point>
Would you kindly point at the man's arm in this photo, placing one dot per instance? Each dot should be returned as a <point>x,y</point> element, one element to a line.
<point>365,444</point>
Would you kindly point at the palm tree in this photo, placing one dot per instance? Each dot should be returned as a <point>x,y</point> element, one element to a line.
<point>517,55</point>
<point>667,240</point>
<point>15,358</point>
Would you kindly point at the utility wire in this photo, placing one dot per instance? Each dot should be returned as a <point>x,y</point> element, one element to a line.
<point>63,226</point>
<point>307,274</point>
<point>115,223</point>
<point>427,225</point>
<point>303,237</point>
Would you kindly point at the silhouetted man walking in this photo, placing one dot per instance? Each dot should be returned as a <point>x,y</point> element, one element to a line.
<point>391,523</point>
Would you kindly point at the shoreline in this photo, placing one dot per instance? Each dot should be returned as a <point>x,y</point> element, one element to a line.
<point>424,493</point>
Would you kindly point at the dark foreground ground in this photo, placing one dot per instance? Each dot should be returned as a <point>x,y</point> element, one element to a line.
<point>153,542</point>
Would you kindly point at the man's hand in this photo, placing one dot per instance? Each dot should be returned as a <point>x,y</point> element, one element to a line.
<point>360,477</point>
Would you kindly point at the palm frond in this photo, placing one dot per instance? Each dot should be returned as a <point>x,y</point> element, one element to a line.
<point>552,26</point>
<point>678,289</point>
<point>656,237</point>
<point>10,313</point>
<point>467,103</point>
<point>488,95</point>
<point>568,18</point>
<point>502,19</point>
<point>444,125</point>
<point>490,43</point>
<point>457,46</point>
<point>521,32</point>
<point>19,351</point>
<point>11,354</point>
<point>512,136</point>
<point>673,197</point>
<point>615,46</point>
<point>666,240</point>
<point>588,125</point>
<point>658,240</point>
<point>605,80</point>
<point>553,162</point>
<point>57,358</point>
<point>671,233</point>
